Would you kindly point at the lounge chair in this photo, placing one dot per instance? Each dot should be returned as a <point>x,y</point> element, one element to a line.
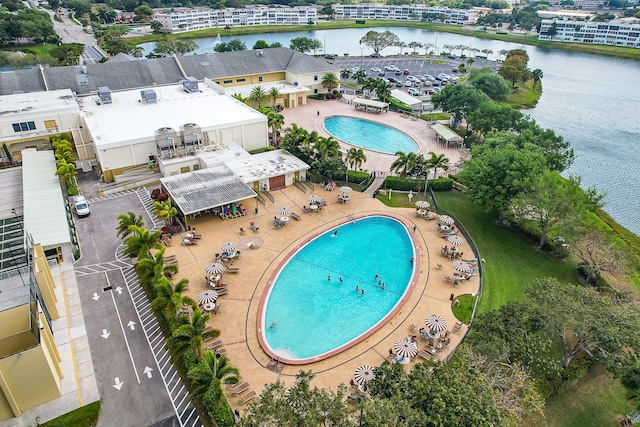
<point>425,354</point>
<point>233,269</point>
<point>295,216</point>
<point>222,291</point>
<point>240,388</point>
<point>214,344</point>
<point>457,326</point>
<point>253,227</point>
<point>247,397</point>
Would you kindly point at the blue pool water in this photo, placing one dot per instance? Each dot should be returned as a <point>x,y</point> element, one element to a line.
<point>369,135</point>
<point>311,315</point>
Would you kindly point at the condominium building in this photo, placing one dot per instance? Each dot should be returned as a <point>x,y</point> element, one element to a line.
<point>614,33</point>
<point>405,13</point>
<point>183,19</point>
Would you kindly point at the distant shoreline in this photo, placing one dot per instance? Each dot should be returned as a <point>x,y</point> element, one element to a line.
<point>613,51</point>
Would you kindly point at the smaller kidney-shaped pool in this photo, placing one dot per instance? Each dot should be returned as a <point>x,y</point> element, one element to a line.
<point>329,294</point>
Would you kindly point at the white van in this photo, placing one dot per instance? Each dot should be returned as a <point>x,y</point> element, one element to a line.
<point>81,206</point>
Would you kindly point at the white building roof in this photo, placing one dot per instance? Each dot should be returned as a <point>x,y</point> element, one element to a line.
<point>29,105</point>
<point>45,216</point>
<point>405,98</point>
<point>206,188</point>
<point>370,103</point>
<point>128,121</point>
<point>446,133</point>
<point>253,167</point>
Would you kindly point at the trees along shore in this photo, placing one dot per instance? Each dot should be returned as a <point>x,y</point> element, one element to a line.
<point>615,51</point>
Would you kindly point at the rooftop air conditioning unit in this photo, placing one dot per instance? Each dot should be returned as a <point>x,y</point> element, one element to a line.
<point>190,84</point>
<point>149,96</point>
<point>104,93</point>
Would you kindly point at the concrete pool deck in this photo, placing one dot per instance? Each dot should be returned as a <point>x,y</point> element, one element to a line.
<point>237,320</point>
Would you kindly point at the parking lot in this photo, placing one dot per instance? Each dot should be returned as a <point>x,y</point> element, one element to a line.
<point>407,68</point>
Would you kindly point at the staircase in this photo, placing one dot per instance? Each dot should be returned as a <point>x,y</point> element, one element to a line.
<point>377,182</point>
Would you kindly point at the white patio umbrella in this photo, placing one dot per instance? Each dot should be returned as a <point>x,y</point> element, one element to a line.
<point>229,246</point>
<point>284,210</point>
<point>461,266</point>
<point>455,240</point>
<point>207,297</point>
<point>346,190</point>
<point>364,374</point>
<point>405,349</point>
<point>313,198</point>
<point>435,323</point>
<point>446,219</point>
<point>214,268</point>
<point>422,204</point>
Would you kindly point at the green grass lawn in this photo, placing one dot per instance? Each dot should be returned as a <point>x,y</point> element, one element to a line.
<point>464,310</point>
<point>86,416</point>
<point>512,262</point>
<point>524,96</point>
<point>593,402</point>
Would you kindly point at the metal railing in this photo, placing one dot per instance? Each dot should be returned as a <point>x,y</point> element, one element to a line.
<point>269,196</point>
<point>299,186</point>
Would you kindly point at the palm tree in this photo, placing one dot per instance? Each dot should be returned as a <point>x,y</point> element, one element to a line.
<point>209,375</point>
<point>427,46</point>
<point>190,334</point>
<point>537,76</point>
<point>274,94</point>
<point>275,121</point>
<point>327,147</point>
<point>65,152</point>
<point>487,52</point>
<point>67,173</point>
<point>404,163</point>
<point>310,141</point>
<point>436,161</point>
<point>345,74</point>
<point>258,96</point>
<point>125,221</point>
<point>383,92</point>
<point>151,269</point>
<point>330,82</point>
<point>360,75</point>
<point>141,241</point>
<point>169,299</point>
<point>294,137</point>
<point>165,211</point>
<point>355,159</point>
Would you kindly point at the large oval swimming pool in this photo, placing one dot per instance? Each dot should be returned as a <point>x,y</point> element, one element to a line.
<point>369,135</point>
<point>312,309</point>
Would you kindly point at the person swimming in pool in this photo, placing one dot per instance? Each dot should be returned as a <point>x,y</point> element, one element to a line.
<point>335,234</point>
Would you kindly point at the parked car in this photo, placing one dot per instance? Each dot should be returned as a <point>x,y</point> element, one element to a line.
<point>427,83</point>
<point>393,80</point>
<point>376,70</point>
<point>413,91</point>
<point>329,57</point>
<point>413,78</point>
<point>406,72</point>
<point>408,83</point>
<point>398,73</point>
<point>375,55</point>
<point>80,205</point>
<point>391,68</point>
<point>382,74</point>
<point>437,89</point>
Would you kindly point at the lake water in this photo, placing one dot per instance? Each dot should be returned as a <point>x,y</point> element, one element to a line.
<point>590,100</point>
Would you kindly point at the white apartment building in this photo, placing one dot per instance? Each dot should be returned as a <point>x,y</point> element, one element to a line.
<point>184,20</point>
<point>405,13</point>
<point>614,33</point>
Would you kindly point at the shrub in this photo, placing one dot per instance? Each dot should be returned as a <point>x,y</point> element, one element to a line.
<point>223,416</point>
<point>358,177</point>
<point>417,185</point>
<point>317,96</point>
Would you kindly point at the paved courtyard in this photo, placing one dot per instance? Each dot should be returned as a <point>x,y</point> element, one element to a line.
<point>269,248</point>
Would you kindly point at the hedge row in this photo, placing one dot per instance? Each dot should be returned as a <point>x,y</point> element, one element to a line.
<point>417,185</point>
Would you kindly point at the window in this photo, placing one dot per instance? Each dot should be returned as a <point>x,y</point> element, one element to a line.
<point>24,126</point>
<point>226,82</point>
<point>315,78</point>
<point>241,80</point>
<point>259,78</point>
